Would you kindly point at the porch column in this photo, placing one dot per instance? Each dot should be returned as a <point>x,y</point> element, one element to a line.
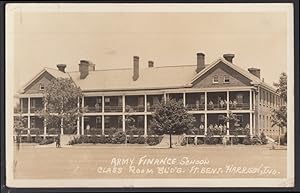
<point>227,124</point>
<point>102,117</point>
<point>28,123</point>
<point>145,117</point>
<point>251,114</point>
<point>205,123</point>
<point>205,100</point>
<point>82,118</point>
<point>78,122</point>
<point>251,132</point>
<point>62,126</point>
<point>45,122</point>
<point>205,114</point>
<point>123,114</point>
<point>183,98</point>
<point>250,102</point>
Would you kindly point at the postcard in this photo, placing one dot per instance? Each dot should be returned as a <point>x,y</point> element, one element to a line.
<point>149,95</point>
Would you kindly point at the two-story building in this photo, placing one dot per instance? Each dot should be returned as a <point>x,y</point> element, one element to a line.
<point>209,91</point>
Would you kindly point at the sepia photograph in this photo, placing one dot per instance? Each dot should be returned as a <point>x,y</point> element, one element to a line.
<point>149,95</point>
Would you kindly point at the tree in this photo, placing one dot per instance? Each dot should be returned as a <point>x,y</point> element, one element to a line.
<point>171,117</point>
<point>61,98</point>
<point>281,86</point>
<point>279,115</point>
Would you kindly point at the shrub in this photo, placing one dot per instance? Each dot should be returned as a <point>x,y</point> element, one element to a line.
<point>47,141</point>
<point>200,141</point>
<point>141,140</point>
<point>102,139</point>
<point>263,138</point>
<point>191,140</point>
<point>29,138</point>
<point>119,137</point>
<point>235,140</point>
<point>184,142</point>
<point>247,140</point>
<point>153,140</point>
<point>38,139</point>
<point>94,139</point>
<point>108,139</point>
<point>255,140</point>
<point>131,139</point>
<point>134,131</point>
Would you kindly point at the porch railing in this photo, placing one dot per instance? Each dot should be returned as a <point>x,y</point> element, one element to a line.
<point>138,108</point>
<point>194,107</point>
<point>239,106</point>
<point>35,109</point>
<point>216,107</point>
<point>93,109</point>
<point>113,108</point>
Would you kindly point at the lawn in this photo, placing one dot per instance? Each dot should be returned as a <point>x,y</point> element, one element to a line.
<point>120,161</point>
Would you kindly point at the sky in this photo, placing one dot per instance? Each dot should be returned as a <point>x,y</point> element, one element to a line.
<point>110,40</point>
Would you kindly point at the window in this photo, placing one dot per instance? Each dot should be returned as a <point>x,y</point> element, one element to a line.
<point>239,98</point>
<point>215,80</point>
<point>42,87</point>
<point>226,79</point>
<point>107,100</point>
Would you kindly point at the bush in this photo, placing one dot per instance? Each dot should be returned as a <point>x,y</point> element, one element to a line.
<point>94,139</point>
<point>153,140</point>
<point>200,141</point>
<point>102,139</point>
<point>191,140</point>
<point>47,141</point>
<point>247,140</point>
<point>255,140</point>
<point>235,140</point>
<point>29,138</point>
<point>131,139</point>
<point>38,139</point>
<point>119,137</point>
<point>141,140</point>
<point>134,131</point>
<point>183,142</point>
<point>263,138</point>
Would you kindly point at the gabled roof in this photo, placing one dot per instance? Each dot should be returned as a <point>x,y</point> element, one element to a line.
<point>53,72</point>
<point>165,77</point>
<point>245,73</point>
<point>149,78</point>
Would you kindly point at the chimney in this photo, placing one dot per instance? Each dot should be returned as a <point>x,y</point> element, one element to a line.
<point>200,62</point>
<point>135,68</point>
<point>229,57</point>
<point>61,67</point>
<point>255,72</point>
<point>150,64</point>
<point>84,68</point>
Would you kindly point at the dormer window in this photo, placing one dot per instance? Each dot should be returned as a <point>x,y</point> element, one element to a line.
<point>42,87</point>
<point>226,79</point>
<point>215,80</point>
